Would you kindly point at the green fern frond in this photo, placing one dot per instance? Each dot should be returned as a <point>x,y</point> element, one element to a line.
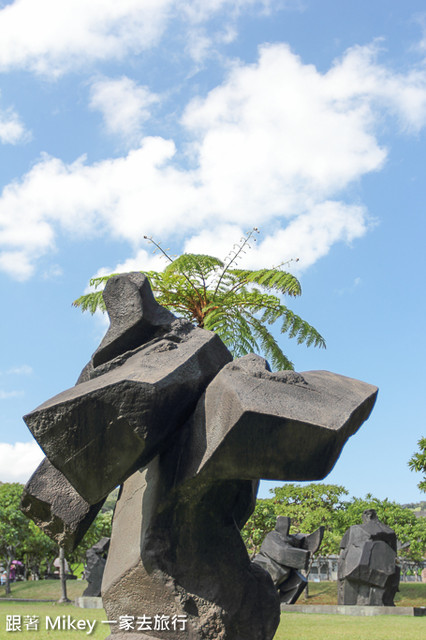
<point>278,360</point>
<point>194,264</point>
<point>298,328</point>
<point>271,279</point>
<point>233,329</point>
<point>90,302</point>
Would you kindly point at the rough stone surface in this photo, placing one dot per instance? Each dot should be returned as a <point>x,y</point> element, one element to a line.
<point>161,409</point>
<point>281,554</point>
<point>367,570</point>
<point>100,431</point>
<point>252,423</point>
<point>178,552</point>
<point>95,565</point>
<point>135,316</point>
<point>56,507</point>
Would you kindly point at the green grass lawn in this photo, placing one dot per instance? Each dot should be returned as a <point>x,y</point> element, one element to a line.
<point>293,626</point>
<point>308,626</point>
<point>44,589</point>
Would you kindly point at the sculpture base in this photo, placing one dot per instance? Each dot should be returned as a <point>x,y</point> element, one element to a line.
<point>89,602</point>
<point>352,610</point>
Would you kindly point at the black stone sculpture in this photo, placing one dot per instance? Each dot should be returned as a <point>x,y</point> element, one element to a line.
<point>163,410</point>
<point>283,556</point>
<point>367,570</point>
<point>96,558</point>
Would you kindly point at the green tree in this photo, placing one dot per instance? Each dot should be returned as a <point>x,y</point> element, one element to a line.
<point>418,462</point>
<point>238,304</point>
<point>13,526</point>
<point>38,548</point>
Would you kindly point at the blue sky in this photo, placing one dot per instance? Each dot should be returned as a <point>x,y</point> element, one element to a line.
<point>192,122</point>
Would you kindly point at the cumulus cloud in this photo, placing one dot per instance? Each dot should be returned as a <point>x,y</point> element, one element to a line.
<point>124,105</point>
<point>51,37</point>
<point>277,143</point>
<point>19,461</point>
<point>375,86</point>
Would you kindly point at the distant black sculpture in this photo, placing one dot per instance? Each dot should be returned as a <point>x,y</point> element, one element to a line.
<point>283,556</point>
<point>162,409</point>
<point>367,570</point>
<point>96,558</point>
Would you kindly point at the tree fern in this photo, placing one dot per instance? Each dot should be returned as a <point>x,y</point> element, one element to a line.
<point>237,304</point>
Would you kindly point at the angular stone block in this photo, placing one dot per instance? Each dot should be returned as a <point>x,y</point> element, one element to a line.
<point>367,570</point>
<point>284,553</point>
<point>252,423</point>
<point>56,507</point>
<point>135,316</point>
<point>372,563</point>
<point>278,572</point>
<point>100,431</point>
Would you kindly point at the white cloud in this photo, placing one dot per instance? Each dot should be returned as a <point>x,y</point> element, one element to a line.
<point>372,85</point>
<point>51,37</point>
<point>12,130</point>
<point>285,116</point>
<point>19,461</point>
<point>124,105</point>
<point>126,197</point>
<point>311,235</point>
<point>18,264</point>
<point>275,145</point>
